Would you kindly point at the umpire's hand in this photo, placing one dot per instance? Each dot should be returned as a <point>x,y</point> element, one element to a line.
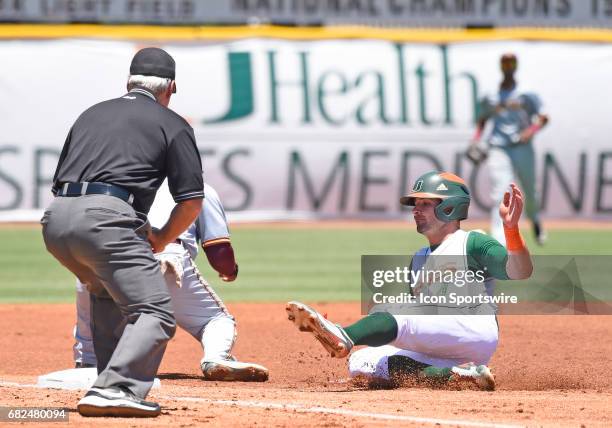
<point>157,240</point>
<point>183,214</point>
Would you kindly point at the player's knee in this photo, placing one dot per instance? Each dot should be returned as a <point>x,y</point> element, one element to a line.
<point>489,334</point>
<point>222,318</point>
<point>485,347</point>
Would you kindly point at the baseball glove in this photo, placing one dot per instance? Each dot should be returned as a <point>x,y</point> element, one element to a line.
<point>476,153</point>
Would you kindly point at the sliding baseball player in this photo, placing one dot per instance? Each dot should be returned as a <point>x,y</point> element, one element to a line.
<point>441,347</point>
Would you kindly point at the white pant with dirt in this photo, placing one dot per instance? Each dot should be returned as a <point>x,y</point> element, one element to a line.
<point>437,340</point>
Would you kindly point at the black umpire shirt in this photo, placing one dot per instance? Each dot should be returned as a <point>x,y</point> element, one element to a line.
<point>132,142</point>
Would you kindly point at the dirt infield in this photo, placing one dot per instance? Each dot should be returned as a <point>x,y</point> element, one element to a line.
<point>551,371</point>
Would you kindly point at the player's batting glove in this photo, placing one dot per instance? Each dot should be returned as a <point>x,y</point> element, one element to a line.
<point>476,154</point>
<point>232,277</point>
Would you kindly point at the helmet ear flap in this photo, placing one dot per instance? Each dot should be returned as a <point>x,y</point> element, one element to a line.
<point>441,211</point>
<point>462,210</point>
<point>454,208</point>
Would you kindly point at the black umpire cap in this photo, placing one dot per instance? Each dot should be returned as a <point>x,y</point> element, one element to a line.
<point>153,62</point>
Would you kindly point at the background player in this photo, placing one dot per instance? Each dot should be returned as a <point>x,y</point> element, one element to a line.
<point>439,346</point>
<point>197,308</point>
<point>516,117</point>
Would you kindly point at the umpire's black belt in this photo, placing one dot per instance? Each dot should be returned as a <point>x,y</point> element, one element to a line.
<point>72,190</point>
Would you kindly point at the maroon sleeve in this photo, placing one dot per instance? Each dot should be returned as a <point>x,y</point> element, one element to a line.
<point>221,258</point>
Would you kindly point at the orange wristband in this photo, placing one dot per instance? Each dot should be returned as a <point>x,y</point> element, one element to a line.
<point>514,240</point>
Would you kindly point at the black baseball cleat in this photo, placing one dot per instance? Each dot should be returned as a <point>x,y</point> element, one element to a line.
<point>540,235</point>
<point>116,402</point>
<point>80,365</point>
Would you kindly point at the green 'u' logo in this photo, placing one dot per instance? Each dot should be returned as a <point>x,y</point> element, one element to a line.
<point>241,88</point>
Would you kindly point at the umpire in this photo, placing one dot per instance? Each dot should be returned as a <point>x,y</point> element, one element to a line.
<point>114,159</point>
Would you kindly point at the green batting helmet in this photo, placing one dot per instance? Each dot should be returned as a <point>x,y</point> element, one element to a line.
<point>451,189</point>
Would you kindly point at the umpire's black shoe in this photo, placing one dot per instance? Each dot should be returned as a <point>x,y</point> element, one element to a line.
<point>116,402</point>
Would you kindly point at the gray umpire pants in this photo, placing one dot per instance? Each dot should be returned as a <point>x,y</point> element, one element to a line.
<point>102,240</point>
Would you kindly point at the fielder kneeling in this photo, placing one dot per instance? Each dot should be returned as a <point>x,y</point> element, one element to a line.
<point>197,308</point>
<point>441,347</point>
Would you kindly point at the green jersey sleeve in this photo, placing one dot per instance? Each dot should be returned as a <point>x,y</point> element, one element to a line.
<point>483,252</point>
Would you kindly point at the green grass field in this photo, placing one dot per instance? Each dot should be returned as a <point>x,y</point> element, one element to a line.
<point>276,264</point>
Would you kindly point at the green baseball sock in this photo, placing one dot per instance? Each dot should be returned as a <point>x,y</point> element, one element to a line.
<point>377,329</point>
<point>439,373</point>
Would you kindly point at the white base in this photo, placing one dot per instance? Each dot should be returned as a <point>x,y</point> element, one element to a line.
<point>74,379</point>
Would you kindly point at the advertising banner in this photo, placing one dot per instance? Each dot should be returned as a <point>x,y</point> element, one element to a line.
<point>321,129</point>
